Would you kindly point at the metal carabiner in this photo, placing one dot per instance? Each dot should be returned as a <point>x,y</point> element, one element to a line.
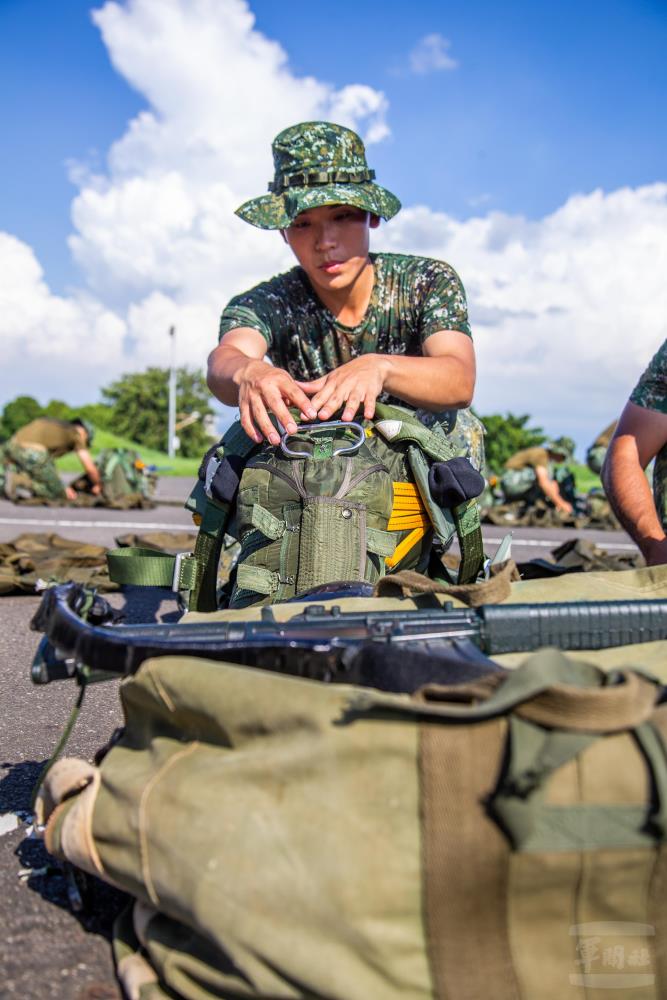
<point>348,450</point>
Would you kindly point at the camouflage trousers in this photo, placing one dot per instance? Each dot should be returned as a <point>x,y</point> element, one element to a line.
<point>29,471</point>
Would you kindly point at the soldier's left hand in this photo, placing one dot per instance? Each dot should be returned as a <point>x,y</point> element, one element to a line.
<point>357,383</point>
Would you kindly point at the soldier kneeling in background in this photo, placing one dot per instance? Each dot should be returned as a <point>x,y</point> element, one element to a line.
<point>529,476</point>
<point>27,460</point>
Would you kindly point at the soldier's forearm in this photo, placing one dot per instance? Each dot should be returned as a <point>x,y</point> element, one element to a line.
<point>630,495</point>
<point>224,366</point>
<point>434,383</point>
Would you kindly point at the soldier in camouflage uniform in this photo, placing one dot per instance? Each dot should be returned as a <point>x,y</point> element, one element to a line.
<point>641,435</point>
<point>597,452</point>
<point>529,475</point>
<point>27,468</point>
<point>346,327</point>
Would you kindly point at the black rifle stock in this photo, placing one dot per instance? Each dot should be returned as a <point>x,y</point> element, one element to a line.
<point>402,649</point>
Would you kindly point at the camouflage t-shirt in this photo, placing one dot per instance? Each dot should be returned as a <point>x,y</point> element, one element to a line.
<point>651,390</point>
<point>412,298</point>
<point>57,436</point>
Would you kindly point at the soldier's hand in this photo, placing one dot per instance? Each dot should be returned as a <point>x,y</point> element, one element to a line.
<point>357,383</point>
<point>264,389</point>
<point>70,493</point>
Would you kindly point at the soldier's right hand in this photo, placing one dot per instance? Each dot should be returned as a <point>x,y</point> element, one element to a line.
<point>264,389</point>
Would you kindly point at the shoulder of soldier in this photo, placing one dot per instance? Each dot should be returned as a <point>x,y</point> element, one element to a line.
<point>651,390</point>
<point>285,286</point>
<point>34,427</point>
<point>413,265</point>
<point>528,457</point>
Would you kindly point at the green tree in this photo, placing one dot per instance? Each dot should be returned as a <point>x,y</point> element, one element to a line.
<point>506,435</point>
<point>99,414</point>
<point>139,403</point>
<point>18,413</point>
<point>58,409</point>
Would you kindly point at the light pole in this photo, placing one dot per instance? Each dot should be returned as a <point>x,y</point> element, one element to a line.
<point>171,428</point>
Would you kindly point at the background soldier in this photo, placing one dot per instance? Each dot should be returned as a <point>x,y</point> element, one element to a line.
<point>597,452</point>
<point>28,459</point>
<point>641,435</point>
<point>530,476</point>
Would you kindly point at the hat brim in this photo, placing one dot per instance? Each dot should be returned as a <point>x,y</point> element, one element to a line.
<point>278,211</point>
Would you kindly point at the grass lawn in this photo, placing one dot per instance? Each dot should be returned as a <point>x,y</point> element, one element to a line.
<point>584,478</point>
<point>165,466</point>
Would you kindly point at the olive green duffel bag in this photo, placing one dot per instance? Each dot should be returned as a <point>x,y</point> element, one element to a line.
<point>290,839</point>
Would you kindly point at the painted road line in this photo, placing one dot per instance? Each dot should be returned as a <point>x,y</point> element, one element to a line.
<point>159,526</point>
<point>555,543</point>
<point>44,522</point>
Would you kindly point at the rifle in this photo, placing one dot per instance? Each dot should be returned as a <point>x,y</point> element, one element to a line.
<point>396,651</point>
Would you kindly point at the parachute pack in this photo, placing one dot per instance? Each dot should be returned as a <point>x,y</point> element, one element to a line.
<point>126,480</point>
<point>336,501</point>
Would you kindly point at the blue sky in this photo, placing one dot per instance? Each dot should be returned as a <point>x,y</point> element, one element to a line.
<point>496,139</point>
<point>548,99</point>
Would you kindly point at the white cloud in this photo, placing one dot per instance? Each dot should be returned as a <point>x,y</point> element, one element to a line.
<point>566,310</point>
<point>430,54</point>
<point>46,337</point>
<point>155,235</point>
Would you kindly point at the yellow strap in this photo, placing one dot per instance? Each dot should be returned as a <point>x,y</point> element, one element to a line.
<point>408,511</point>
<point>404,547</point>
<point>399,522</point>
<point>406,489</point>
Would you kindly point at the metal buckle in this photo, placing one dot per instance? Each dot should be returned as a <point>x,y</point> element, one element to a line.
<point>348,450</point>
<point>178,562</point>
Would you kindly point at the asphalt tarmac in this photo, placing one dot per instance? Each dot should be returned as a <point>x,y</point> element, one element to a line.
<point>47,950</point>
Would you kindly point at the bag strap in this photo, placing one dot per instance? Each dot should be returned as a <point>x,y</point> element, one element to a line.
<point>534,754</point>
<point>495,590</point>
<point>624,699</point>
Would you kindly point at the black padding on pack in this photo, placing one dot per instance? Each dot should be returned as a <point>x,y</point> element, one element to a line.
<point>452,483</point>
<point>203,465</point>
<point>226,480</point>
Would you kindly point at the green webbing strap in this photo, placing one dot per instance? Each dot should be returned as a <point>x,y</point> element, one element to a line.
<point>204,591</point>
<point>396,424</point>
<point>151,568</point>
<point>471,544</point>
<point>534,755</point>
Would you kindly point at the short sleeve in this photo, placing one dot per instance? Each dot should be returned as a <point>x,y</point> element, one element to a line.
<point>444,306</point>
<point>651,390</point>
<point>248,310</point>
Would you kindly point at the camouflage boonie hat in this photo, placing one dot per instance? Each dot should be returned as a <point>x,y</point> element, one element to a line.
<point>561,446</point>
<point>317,163</point>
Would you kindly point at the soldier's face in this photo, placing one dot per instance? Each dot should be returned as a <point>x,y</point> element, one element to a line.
<point>331,244</point>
